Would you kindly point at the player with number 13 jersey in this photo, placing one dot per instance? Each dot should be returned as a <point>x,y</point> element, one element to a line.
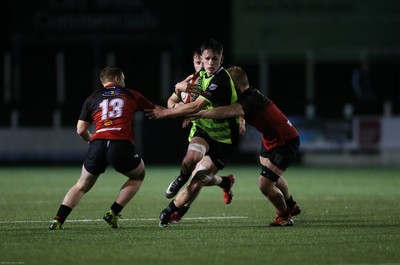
<point>112,110</point>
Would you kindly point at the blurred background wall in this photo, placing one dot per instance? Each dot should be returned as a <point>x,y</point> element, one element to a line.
<point>332,66</point>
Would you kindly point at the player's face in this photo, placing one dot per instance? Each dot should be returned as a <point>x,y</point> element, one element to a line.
<point>197,64</point>
<point>211,61</point>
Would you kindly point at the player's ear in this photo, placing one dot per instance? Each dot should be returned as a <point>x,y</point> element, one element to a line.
<point>222,59</point>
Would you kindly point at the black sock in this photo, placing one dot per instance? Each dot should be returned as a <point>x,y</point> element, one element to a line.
<point>182,211</point>
<point>184,177</point>
<point>290,202</point>
<point>171,207</point>
<point>286,213</point>
<point>63,213</point>
<point>116,208</point>
<point>226,183</point>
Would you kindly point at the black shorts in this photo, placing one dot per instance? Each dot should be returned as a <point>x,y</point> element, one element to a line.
<point>119,154</point>
<point>282,156</point>
<point>220,153</point>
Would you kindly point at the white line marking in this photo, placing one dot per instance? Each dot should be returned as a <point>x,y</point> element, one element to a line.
<point>121,219</point>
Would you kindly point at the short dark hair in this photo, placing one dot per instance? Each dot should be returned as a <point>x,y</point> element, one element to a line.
<point>213,45</point>
<point>109,73</point>
<point>197,51</point>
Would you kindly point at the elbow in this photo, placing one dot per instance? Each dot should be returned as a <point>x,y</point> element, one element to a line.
<point>80,132</point>
<point>82,129</point>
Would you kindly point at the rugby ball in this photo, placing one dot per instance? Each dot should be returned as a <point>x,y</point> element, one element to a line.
<point>196,79</point>
<point>190,97</point>
<point>187,97</point>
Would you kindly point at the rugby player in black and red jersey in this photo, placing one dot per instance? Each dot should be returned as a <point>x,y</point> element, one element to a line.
<point>112,109</point>
<point>280,142</point>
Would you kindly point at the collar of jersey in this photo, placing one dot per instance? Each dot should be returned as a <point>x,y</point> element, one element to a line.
<point>111,86</point>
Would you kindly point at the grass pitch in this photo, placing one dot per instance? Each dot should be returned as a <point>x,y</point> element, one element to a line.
<point>350,216</point>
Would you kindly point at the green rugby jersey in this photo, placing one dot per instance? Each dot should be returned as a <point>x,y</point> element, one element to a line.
<point>218,90</point>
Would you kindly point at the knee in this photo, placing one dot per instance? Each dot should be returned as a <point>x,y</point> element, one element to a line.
<point>269,174</point>
<point>139,176</point>
<point>191,159</point>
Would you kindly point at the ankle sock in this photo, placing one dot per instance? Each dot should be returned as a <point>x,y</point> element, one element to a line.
<point>184,177</point>
<point>63,213</point>
<point>116,208</point>
<point>290,202</point>
<point>182,211</point>
<point>226,183</point>
<point>171,207</point>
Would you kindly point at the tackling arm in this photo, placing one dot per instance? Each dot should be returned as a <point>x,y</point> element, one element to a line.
<point>221,112</point>
<point>183,110</point>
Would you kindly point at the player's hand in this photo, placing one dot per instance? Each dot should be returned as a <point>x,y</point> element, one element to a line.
<point>157,113</point>
<point>187,86</point>
<point>242,126</point>
<point>187,121</point>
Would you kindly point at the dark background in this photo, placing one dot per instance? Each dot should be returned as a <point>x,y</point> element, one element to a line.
<point>137,34</point>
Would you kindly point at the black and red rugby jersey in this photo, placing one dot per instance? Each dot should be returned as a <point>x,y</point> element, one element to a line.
<point>267,118</point>
<point>112,110</point>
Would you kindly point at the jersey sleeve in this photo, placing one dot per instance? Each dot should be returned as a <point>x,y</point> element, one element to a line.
<point>85,114</point>
<point>253,101</point>
<point>142,101</point>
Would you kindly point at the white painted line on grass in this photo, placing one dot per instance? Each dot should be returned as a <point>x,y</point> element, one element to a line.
<point>124,219</point>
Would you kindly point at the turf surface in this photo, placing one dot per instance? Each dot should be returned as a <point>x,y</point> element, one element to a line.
<point>350,216</point>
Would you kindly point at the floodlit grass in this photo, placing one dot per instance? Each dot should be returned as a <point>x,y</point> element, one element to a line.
<point>350,216</point>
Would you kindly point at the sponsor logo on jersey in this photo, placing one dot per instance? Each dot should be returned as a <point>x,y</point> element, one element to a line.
<point>111,92</point>
<point>108,123</point>
<point>212,87</point>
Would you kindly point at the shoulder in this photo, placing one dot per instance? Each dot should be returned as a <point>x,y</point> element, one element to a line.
<point>134,93</point>
<point>95,95</point>
<point>222,77</point>
<point>252,98</point>
<point>223,73</point>
<point>253,92</point>
<point>131,91</point>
